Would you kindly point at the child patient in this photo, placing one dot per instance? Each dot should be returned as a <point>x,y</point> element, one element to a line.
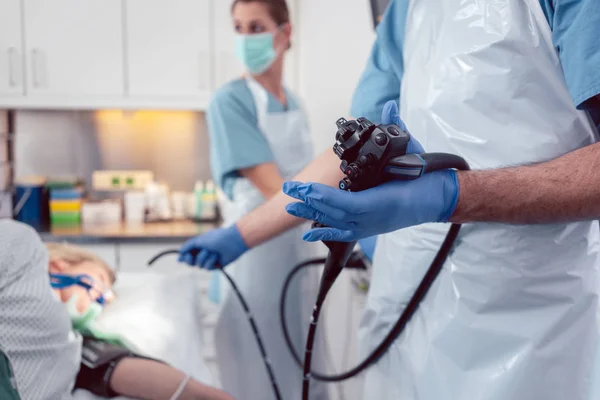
<point>37,336</point>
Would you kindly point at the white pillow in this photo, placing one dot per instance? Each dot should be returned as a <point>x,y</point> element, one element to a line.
<point>160,315</point>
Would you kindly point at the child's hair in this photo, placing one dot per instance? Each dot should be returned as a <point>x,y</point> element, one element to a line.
<point>76,255</point>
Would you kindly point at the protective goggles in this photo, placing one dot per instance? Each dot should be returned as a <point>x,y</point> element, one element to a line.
<point>96,290</point>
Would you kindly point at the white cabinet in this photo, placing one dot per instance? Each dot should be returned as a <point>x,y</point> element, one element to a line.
<point>227,66</point>
<point>126,54</point>
<point>291,75</point>
<point>169,49</point>
<point>11,49</point>
<point>135,256</point>
<point>74,48</point>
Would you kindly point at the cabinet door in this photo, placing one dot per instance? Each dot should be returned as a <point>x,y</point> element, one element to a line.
<point>74,47</point>
<point>227,66</point>
<point>291,76</point>
<point>168,48</point>
<point>11,49</point>
<point>135,257</point>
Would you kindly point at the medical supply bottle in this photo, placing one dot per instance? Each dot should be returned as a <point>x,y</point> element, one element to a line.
<point>209,201</point>
<point>198,194</point>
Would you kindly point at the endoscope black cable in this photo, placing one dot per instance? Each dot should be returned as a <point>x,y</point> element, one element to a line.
<point>259,340</point>
<point>396,330</point>
<point>335,263</point>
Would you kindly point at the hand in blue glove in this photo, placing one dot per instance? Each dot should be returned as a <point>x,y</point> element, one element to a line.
<point>388,207</point>
<point>214,249</point>
<point>390,115</point>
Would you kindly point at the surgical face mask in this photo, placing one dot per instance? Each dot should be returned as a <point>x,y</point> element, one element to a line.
<point>256,51</point>
<point>82,319</point>
<point>95,290</point>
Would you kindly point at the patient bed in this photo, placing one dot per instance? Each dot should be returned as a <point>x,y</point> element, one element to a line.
<point>160,314</point>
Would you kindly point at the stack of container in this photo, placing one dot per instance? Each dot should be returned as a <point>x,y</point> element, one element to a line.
<point>65,201</point>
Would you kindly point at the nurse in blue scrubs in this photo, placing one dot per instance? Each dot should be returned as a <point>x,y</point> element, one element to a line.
<point>259,137</point>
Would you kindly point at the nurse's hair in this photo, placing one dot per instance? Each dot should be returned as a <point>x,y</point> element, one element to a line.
<point>278,9</point>
<point>74,255</point>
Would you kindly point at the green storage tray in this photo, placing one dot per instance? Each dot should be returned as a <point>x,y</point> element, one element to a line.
<point>65,218</point>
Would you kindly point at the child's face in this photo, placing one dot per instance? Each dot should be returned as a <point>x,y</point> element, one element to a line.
<point>101,278</point>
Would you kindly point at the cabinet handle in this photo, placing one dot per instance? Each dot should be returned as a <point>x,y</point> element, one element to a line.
<point>203,71</point>
<point>12,67</point>
<point>35,66</point>
<point>222,69</point>
<point>228,67</point>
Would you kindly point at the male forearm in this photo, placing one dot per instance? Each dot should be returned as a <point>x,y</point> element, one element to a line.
<point>564,189</point>
<point>271,219</point>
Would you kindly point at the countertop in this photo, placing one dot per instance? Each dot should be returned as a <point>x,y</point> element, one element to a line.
<point>176,231</point>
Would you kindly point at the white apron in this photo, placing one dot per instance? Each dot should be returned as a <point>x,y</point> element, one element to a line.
<point>260,274</point>
<point>512,315</point>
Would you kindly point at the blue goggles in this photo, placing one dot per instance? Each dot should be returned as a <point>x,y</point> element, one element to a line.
<point>62,281</point>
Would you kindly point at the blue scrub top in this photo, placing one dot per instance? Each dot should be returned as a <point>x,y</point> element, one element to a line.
<point>236,141</point>
<point>575,26</point>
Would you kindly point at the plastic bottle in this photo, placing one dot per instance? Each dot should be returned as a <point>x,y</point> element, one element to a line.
<point>199,193</point>
<point>209,201</point>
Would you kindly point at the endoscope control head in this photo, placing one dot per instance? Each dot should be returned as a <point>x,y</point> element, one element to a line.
<point>365,149</point>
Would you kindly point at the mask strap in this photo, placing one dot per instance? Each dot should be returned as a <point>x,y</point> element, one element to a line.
<point>278,30</point>
<point>62,281</point>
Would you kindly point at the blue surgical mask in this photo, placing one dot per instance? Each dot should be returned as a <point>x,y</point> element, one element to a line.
<point>86,318</point>
<point>256,51</point>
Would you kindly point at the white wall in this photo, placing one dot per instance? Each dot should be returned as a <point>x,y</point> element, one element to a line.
<point>335,39</point>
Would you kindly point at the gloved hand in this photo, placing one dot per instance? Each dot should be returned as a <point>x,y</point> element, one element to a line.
<point>385,208</point>
<point>214,249</point>
<point>390,115</point>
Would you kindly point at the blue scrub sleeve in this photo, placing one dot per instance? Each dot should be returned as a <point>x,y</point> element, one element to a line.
<point>380,81</point>
<point>576,34</point>
<point>236,142</point>
<point>367,246</point>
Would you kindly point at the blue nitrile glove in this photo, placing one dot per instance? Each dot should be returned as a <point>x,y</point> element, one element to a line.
<point>384,208</point>
<point>390,115</point>
<point>216,248</point>
<point>367,245</point>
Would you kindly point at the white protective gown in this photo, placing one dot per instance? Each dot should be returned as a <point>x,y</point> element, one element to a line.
<point>513,314</point>
<point>260,274</point>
